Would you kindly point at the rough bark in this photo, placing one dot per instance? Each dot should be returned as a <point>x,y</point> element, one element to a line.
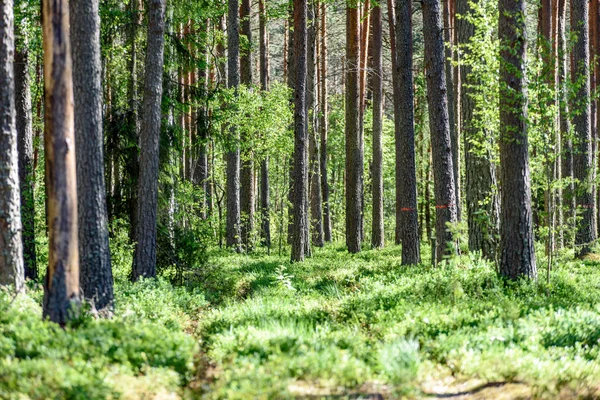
<point>232,230</point>
<point>354,137</point>
<point>582,157</point>
<point>11,245</point>
<point>482,200</point>
<point>407,224</point>
<point>452,98</point>
<point>300,239</point>
<point>144,262</point>
<point>324,125</point>
<point>517,255</point>
<point>264,167</point>
<point>247,199</point>
<point>24,123</point>
<point>201,177</point>
<point>61,286</point>
<point>316,204</point>
<point>95,275</point>
<point>439,127</point>
<point>377,236</point>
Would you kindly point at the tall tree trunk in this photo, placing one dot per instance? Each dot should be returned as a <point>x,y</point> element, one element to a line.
<point>324,125</point>
<point>377,237</point>
<point>264,167</point>
<point>565,126</point>
<point>11,245</point>
<point>582,158</point>
<point>247,168</point>
<point>407,223</point>
<point>61,287</point>
<point>300,239</point>
<point>144,262</point>
<point>24,124</point>
<point>95,276</point>
<point>202,126</point>
<point>517,255</point>
<point>482,199</point>
<point>232,230</point>
<point>316,205</point>
<point>452,98</point>
<point>136,9</point>
<point>439,127</point>
<point>354,136</point>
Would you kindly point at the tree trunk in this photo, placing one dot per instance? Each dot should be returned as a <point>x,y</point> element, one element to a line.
<point>202,127</point>
<point>377,236</point>
<point>324,125</point>
<point>24,123</point>
<point>315,195</point>
<point>144,262</point>
<point>582,158</point>
<point>452,98</point>
<point>482,200</point>
<point>300,237</point>
<point>61,287</point>
<point>439,127</point>
<point>232,230</point>
<point>517,255</point>
<point>354,137</point>
<point>247,164</point>
<point>264,167</point>
<point>11,245</point>
<point>95,276</point>
<point>136,9</point>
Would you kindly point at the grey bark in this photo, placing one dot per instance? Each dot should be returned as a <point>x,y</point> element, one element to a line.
<point>439,126</point>
<point>324,126</point>
<point>582,147</point>
<point>24,123</point>
<point>354,135</point>
<point>452,98</point>
<point>11,246</point>
<point>232,229</point>
<point>264,167</point>
<point>247,198</point>
<point>517,255</point>
<point>300,239</point>
<point>482,200</point>
<point>96,280</point>
<point>144,262</point>
<point>316,205</point>
<point>377,236</point>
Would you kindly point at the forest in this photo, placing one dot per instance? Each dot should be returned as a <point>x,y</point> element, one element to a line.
<point>299,199</point>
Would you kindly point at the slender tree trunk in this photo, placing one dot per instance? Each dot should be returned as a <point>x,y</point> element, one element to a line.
<point>482,199</point>
<point>565,126</point>
<point>452,98</point>
<point>202,125</point>
<point>315,195</point>
<point>264,167</point>
<point>61,287</point>
<point>582,158</point>
<point>136,9</point>
<point>247,164</point>
<point>232,231</point>
<point>24,124</point>
<point>300,237</point>
<point>324,125</point>
<point>11,245</point>
<point>96,278</point>
<point>377,237</point>
<point>439,126</point>
<point>517,255</point>
<point>144,262</point>
<point>354,137</point>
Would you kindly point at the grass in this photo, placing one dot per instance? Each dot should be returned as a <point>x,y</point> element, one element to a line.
<point>257,326</point>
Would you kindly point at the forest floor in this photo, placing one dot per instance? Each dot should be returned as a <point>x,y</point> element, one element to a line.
<point>337,326</point>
